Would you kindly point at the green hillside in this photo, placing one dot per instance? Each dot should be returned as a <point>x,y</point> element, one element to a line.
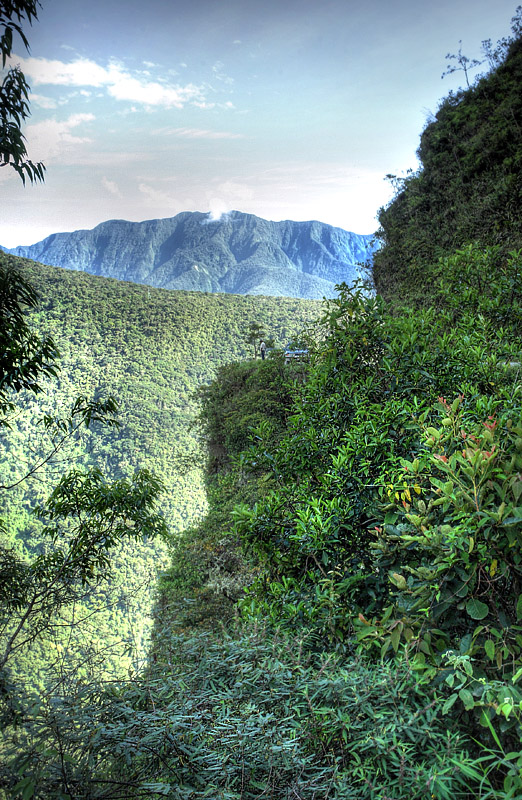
<point>149,349</point>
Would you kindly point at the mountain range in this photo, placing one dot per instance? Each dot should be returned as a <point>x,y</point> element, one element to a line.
<point>237,253</point>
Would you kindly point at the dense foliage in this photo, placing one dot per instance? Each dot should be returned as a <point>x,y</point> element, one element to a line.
<point>151,349</point>
<point>85,518</point>
<point>380,524</point>
<point>468,187</point>
<point>243,717</point>
<point>148,348</point>
<point>386,525</point>
<point>390,600</point>
<point>362,550</point>
<point>208,572</point>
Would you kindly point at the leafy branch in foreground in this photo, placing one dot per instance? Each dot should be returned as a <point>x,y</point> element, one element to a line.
<point>61,430</point>
<point>86,518</point>
<point>14,92</point>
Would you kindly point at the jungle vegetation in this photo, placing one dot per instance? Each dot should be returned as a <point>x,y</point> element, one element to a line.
<point>346,620</point>
<point>363,538</point>
<point>149,349</point>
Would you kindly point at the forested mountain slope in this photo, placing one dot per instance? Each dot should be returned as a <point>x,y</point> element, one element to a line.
<point>150,349</point>
<point>468,187</point>
<point>238,254</point>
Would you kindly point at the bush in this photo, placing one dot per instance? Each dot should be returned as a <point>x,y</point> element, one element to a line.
<point>248,716</point>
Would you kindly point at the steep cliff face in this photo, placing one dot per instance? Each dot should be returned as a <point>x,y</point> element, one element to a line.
<point>238,254</point>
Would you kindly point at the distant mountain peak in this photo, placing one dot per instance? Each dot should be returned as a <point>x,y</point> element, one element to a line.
<point>235,253</point>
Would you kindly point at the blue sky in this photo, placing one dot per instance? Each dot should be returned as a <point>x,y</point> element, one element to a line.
<point>288,109</point>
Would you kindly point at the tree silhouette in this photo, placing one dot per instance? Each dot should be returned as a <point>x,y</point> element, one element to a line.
<point>465,64</point>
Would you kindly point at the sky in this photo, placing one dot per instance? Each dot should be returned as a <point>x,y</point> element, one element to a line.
<point>287,109</point>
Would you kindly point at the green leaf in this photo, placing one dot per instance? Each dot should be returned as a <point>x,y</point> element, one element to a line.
<point>462,590</point>
<point>517,675</point>
<point>514,520</point>
<point>26,787</point>
<point>399,580</point>
<point>449,703</point>
<point>396,637</point>
<point>467,698</point>
<point>484,720</point>
<point>519,607</point>
<point>489,647</point>
<point>476,609</point>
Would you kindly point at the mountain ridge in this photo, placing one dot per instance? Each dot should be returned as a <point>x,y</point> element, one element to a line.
<point>236,254</point>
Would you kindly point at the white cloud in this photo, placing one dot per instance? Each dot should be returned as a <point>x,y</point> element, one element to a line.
<point>112,187</point>
<point>119,83</point>
<point>153,93</point>
<point>227,196</point>
<point>42,101</point>
<point>51,138</point>
<point>198,133</point>
<point>155,197</point>
<point>218,208</point>
<point>81,72</point>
